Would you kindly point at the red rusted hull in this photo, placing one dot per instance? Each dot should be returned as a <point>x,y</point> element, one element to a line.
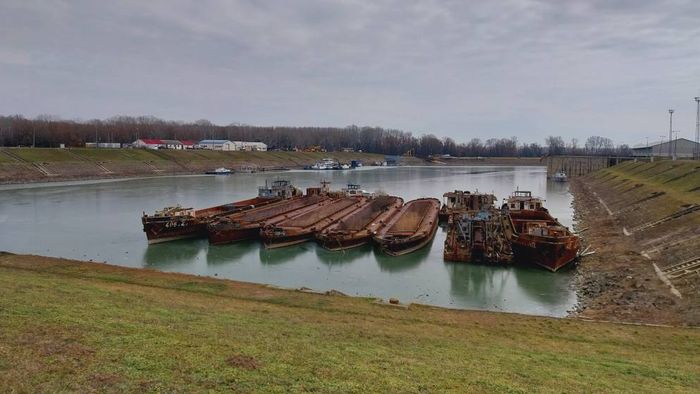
<point>169,228</point>
<point>246,225</point>
<point>547,254</point>
<point>304,227</point>
<point>552,250</point>
<point>357,228</point>
<point>411,229</point>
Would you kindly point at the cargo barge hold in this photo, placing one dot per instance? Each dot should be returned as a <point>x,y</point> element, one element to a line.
<point>173,223</point>
<point>303,227</point>
<point>412,228</point>
<point>357,228</point>
<point>246,225</point>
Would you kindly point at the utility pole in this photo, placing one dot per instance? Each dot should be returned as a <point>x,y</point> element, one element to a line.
<point>663,138</point>
<point>675,144</point>
<point>648,151</point>
<point>696,154</point>
<point>670,132</point>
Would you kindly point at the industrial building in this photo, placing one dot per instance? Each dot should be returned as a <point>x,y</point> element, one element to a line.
<point>680,148</point>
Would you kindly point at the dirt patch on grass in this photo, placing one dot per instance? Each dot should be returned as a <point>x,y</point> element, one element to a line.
<point>243,362</point>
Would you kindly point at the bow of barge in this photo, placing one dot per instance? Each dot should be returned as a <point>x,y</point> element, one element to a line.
<point>172,223</point>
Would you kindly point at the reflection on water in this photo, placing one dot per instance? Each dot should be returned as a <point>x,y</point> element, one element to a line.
<point>282,255</point>
<point>404,262</point>
<point>101,221</point>
<point>341,257</point>
<point>234,253</point>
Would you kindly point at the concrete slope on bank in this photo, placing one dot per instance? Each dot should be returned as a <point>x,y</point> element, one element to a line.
<point>644,219</point>
<point>18,165</point>
<point>75,326</point>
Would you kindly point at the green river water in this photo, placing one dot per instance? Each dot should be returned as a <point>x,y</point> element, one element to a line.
<point>100,221</point>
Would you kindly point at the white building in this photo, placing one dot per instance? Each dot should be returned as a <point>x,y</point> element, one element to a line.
<point>250,146</point>
<point>217,145</point>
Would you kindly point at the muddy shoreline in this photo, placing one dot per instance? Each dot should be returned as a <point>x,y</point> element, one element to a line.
<point>617,282</point>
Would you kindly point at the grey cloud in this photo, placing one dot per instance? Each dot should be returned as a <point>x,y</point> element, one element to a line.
<point>454,68</point>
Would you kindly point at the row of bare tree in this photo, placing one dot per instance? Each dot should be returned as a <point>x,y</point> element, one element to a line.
<point>47,131</point>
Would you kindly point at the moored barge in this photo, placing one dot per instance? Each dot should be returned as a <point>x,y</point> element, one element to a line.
<point>477,237</point>
<point>412,228</point>
<point>357,228</point>
<point>246,225</point>
<point>302,227</point>
<point>536,236</point>
<point>172,223</point>
<point>460,201</point>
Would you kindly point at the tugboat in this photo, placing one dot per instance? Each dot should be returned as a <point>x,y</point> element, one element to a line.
<point>411,229</point>
<point>560,176</point>
<point>536,237</point>
<point>354,190</point>
<point>172,223</point>
<point>460,201</point>
<point>328,164</point>
<point>220,171</point>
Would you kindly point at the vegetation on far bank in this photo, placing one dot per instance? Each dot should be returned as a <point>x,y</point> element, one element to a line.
<point>51,131</point>
<point>74,326</point>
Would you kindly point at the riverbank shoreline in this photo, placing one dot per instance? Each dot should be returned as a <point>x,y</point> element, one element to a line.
<point>37,165</point>
<point>76,326</point>
<point>622,216</point>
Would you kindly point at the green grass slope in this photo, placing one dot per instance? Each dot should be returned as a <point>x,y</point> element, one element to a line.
<point>72,326</point>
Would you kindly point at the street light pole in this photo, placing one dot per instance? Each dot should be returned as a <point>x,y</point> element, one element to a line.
<point>670,132</point>
<point>697,131</point>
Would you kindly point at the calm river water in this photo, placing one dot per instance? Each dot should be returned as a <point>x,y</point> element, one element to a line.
<point>100,220</point>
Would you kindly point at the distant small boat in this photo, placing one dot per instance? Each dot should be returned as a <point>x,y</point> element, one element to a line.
<point>220,171</point>
<point>328,164</point>
<point>560,177</point>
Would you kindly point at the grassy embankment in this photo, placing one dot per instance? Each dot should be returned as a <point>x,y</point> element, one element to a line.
<point>67,325</point>
<point>678,179</point>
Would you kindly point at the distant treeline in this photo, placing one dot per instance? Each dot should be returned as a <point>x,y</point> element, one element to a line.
<point>47,131</point>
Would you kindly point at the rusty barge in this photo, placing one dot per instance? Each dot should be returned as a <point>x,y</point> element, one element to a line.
<point>475,234</point>
<point>460,201</point>
<point>536,237</point>
<point>357,228</point>
<point>172,223</point>
<point>246,225</point>
<point>302,227</point>
<point>412,228</point>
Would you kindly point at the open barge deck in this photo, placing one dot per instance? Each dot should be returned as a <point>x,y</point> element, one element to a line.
<point>357,228</point>
<point>303,227</point>
<point>174,223</point>
<point>246,225</point>
<point>412,228</point>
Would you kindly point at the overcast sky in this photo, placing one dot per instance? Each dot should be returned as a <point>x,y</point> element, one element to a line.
<point>462,69</point>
